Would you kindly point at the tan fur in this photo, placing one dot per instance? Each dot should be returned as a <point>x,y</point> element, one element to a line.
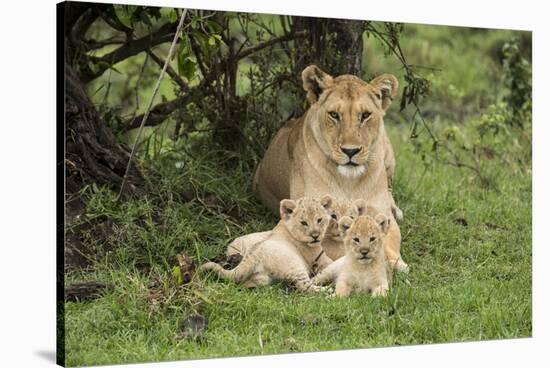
<point>353,272</point>
<point>333,243</point>
<point>306,155</point>
<point>288,253</point>
<point>243,244</point>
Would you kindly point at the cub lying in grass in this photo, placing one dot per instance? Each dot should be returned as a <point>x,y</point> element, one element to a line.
<point>289,252</point>
<point>364,268</point>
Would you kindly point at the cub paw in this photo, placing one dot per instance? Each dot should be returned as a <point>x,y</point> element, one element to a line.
<point>314,289</point>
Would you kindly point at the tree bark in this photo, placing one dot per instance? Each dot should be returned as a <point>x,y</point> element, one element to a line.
<point>335,45</point>
<point>93,155</point>
<point>349,46</point>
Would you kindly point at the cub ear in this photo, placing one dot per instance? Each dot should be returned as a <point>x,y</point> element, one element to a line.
<point>383,222</point>
<point>315,81</point>
<point>326,201</point>
<point>361,206</point>
<point>344,224</point>
<point>386,85</point>
<point>286,208</point>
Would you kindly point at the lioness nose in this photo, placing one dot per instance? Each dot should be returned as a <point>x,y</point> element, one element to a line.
<point>350,151</point>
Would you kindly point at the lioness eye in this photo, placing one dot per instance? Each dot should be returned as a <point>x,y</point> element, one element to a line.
<point>372,238</point>
<point>319,220</point>
<point>334,216</point>
<point>356,240</point>
<point>334,115</point>
<point>365,115</point>
<point>303,223</point>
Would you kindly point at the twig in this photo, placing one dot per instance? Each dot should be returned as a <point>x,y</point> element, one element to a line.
<point>157,86</point>
<point>175,77</point>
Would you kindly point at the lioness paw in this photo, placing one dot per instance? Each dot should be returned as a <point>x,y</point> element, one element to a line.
<point>399,265</point>
<point>397,213</point>
<point>379,291</point>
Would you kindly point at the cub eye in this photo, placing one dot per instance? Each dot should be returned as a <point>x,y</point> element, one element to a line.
<point>365,115</point>
<point>319,220</point>
<point>303,223</point>
<point>372,238</point>
<point>356,240</point>
<point>334,216</point>
<point>334,115</point>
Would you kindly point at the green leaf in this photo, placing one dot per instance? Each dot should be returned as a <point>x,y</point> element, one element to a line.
<point>201,39</point>
<point>214,26</point>
<point>173,15</point>
<point>144,17</point>
<point>124,14</point>
<point>176,272</point>
<point>188,68</point>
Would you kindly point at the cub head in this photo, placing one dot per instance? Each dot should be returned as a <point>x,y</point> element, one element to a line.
<point>347,116</point>
<point>340,207</point>
<point>363,238</point>
<point>306,219</point>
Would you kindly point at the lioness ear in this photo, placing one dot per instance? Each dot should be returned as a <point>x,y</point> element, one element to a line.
<point>326,201</point>
<point>286,208</point>
<point>315,81</point>
<point>383,222</point>
<point>386,85</point>
<point>344,224</point>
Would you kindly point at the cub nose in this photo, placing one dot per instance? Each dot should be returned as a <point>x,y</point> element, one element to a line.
<point>315,235</point>
<point>350,151</point>
<point>364,252</point>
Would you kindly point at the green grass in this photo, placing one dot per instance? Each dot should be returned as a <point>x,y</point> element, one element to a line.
<point>468,245</point>
<point>466,282</point>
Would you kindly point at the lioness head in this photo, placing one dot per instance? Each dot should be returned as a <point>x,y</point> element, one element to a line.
<point>340,207</point>
<point>306,219</point>
<point>347,115</point>
<point>363,238</point>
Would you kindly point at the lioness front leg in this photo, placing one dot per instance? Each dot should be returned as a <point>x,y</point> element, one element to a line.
<point>392,247</point>
<point>380,290</point>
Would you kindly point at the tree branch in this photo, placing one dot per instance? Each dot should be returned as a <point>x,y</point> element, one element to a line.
<point>175,77</point>
<point>131,48</point>
<point>162,110</point>
<point>287,37</point>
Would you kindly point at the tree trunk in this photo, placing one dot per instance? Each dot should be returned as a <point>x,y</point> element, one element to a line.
<point>349,46</point>
<point>93,155</point>
<point>335,45</point>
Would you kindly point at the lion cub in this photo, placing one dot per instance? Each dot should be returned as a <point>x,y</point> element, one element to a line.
<point>364,268</point>
<point>333,242</point>
<point>289,252</point>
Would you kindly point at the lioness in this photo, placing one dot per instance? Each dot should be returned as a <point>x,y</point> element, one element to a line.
<point>364,268</point>
<point>290,251</point>
<point>339,146</point>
